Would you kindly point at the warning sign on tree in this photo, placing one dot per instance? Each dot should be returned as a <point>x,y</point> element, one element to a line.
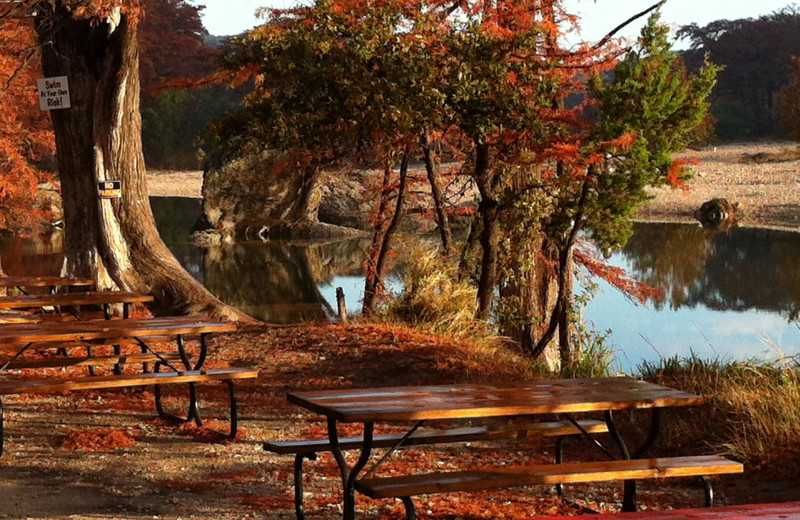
<point>53,93</point>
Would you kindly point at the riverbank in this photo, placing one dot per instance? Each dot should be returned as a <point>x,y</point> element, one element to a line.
<point>768,193</point>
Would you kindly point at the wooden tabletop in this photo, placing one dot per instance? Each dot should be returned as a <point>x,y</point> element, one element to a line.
<point>12,334</point>
<point>472,401</point>
<point>32,301</point>
<point>44,281</point>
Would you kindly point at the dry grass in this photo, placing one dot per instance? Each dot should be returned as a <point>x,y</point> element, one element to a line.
<point>752,410</point>
<point>169,183</point>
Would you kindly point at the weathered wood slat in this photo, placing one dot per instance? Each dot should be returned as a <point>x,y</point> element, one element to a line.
<point>35,301</point>
<point>11,335</point>
<point>82,361</point>
<point>118,381</point>
<point>469,401</point>
<point>44,281</point>
<point>504,477</point>
<point>419,438</point>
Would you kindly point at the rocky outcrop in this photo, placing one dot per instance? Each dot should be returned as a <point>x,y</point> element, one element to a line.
<point>250,199</point>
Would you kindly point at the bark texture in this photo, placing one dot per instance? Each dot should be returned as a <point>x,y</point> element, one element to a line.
<point>99,139</point>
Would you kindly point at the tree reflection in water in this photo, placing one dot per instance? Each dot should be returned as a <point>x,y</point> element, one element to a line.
<point>744,269</point>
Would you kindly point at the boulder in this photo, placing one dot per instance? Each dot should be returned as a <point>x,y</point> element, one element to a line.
<point>717,213</point>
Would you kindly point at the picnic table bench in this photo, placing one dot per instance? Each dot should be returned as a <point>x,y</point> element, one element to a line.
<point>74,301</point>
<point>19,338</point>
<point>309,448</point>
<point>566,397</point>
<point>22,283</point>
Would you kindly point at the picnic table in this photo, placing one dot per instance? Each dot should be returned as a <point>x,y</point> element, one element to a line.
<point>104,299</point>
<point>23,283</point>
<point>418,404</point>
<point>18,338</point>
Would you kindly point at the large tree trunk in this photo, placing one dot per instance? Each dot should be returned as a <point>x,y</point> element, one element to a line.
<point>99,139</point>
<point>532,292</point>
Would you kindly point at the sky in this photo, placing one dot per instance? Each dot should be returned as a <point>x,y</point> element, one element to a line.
<point>223,17</point>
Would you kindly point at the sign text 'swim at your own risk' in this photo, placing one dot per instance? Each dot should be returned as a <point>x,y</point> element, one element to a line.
<point>53,93</point>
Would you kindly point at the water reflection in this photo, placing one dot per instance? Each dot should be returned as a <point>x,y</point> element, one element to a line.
<point>277,282</point>
<point>728,295</point>
<point>744,269</point>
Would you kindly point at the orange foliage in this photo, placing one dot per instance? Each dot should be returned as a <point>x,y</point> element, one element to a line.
<point>25,135</point>
<point>98,439</point>
<point>617,277</point>
<point>677,170</point>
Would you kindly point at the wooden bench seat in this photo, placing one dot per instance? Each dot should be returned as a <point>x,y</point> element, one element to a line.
<point>404,487</point>
<point>308,448</point>
<point>191,377</point>
<point>84,361</point>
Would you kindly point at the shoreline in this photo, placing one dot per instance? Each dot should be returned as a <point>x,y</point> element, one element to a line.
<point>768,193</point>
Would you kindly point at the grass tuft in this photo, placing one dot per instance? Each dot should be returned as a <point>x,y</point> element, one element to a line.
<point>434,300</point>
<point>752,409</point>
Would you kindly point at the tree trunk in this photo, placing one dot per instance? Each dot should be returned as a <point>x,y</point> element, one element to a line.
<point>300,212</point>
<point>532,291</point>
<point>381,225</point>
<point>434,179</point>
<point>489,209</point>
<point>99,139</point>
<point>373,291</point>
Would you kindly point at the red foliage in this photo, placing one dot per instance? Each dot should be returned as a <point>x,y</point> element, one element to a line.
<point>617,277</point>
<point>25,135</point>
<point>677,170</point>
<point>98,439</point>
<point>172,43</point>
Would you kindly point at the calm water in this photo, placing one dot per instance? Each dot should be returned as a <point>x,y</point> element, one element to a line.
<point>730,296</point>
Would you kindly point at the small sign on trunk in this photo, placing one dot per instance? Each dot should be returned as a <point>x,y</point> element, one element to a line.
<point>110,189</point>
<point>53,93</point>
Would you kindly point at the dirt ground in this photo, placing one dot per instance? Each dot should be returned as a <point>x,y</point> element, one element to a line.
<point>104,454</point>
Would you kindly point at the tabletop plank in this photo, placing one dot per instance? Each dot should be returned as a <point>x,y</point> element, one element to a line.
<point>11,335</point>
<point>33,301</point>
<point>44,281</point>
<point>471,401</point>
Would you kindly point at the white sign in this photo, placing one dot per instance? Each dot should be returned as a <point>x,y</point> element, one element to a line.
<point>53,93</point>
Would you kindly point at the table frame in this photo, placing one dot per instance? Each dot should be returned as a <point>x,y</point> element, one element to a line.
<point>420,404</point>
<point>106,332</point>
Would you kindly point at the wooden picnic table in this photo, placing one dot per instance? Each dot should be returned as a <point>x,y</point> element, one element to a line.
<point>13,335</point>
<point>103,299</point>
<point>418,404</point>
<point>51,282</point>
<point>18,338</point>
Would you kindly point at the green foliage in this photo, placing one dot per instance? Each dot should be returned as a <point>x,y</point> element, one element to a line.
<point>654,99</point>
<point>174,120</point>
<point>595,357</point>
<point>755,54</point>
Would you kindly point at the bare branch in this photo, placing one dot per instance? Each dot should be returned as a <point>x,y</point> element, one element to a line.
<point>627,22</point>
